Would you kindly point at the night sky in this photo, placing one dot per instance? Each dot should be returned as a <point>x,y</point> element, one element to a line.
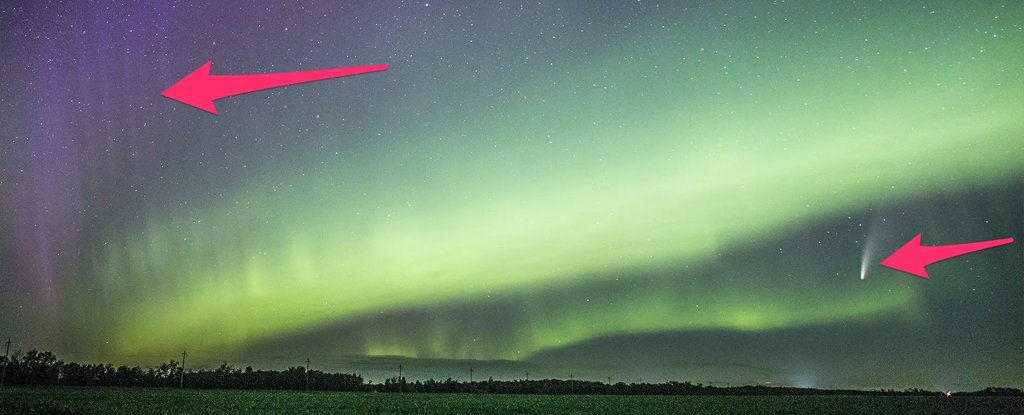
<point>642,190</point>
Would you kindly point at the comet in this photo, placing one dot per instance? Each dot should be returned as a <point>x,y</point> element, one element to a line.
<point>870,243</point>
<point>866,255</point>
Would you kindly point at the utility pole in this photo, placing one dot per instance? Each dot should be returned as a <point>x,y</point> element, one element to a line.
<point>470,375</point>
<point>181,382</point>
<point>609,380</point>
<point>527,376</point>
<point>6,353</point>
<point>307,373</point>
<point>399,378</point>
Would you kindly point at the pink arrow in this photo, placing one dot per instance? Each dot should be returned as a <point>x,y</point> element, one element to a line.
<point>912,257</point>
<point>199,89</point>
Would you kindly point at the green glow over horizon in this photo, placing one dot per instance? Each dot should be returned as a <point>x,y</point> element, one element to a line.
<point>663,161</point>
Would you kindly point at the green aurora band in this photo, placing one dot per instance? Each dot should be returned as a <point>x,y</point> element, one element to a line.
<point>607,169</point>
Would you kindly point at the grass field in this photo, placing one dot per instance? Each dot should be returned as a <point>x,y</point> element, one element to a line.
<point>173,401</point>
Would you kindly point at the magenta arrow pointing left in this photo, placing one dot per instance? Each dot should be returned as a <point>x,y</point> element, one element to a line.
<point>199,88</point>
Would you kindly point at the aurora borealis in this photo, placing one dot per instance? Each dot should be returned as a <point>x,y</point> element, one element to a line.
<point>632,190</point>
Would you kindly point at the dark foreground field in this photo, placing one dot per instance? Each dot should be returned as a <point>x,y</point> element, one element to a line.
<point>173,401</point>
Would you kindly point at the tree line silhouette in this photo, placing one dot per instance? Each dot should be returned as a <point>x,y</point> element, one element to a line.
<point>36,368</point>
